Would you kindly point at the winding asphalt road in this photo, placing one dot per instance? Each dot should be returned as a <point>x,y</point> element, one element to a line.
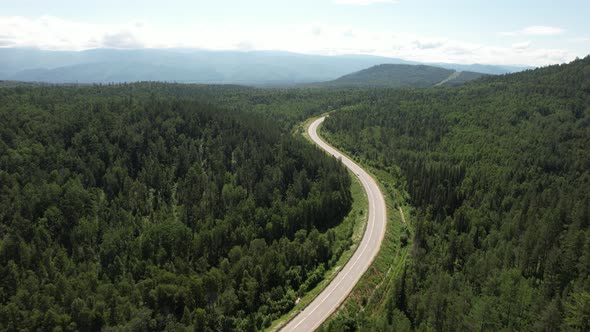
<point>334,294</point>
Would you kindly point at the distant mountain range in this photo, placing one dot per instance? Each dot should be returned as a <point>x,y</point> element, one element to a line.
<point>193,66</point>
<point>400,76</point>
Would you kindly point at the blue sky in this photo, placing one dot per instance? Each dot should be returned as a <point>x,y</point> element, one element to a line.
<point>499,32</point>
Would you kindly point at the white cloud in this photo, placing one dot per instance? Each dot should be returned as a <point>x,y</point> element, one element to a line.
<point>575,40</point>
<point>313,38</point>
<point>522,45</point>
<point>316,30</point>
<point>245,46</point>
<point>348,33</point>
<point>121,39</point>
<point>48,32</point>
<point>364,2</point>
<point>541,30</point>
<point>425,44</point>
<point>535,30</point>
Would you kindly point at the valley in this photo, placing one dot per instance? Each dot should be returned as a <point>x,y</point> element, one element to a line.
<point>378,194</point>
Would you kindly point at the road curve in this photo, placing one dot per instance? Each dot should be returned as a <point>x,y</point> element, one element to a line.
<point>334,294</point>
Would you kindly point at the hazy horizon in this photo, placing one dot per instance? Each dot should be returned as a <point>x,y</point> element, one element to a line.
<point>527,33</point>
<point>181,50</point>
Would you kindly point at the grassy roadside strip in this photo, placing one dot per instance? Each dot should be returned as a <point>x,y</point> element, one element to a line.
<point>354,223</point>
<point>368,296</point>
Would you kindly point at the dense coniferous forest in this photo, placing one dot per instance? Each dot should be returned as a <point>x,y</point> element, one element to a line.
<point>499,173</point>
<point>156,206</point>
<point>147,207</point>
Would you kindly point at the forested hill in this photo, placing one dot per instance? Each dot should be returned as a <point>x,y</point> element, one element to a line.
<point>141,207</point>
<point>499,173</point>
<point>399,76</point>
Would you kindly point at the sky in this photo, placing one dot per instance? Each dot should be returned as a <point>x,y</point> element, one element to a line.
<point>518,32</point>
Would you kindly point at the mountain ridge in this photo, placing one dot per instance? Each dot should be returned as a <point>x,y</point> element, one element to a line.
<point>205,66</point>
